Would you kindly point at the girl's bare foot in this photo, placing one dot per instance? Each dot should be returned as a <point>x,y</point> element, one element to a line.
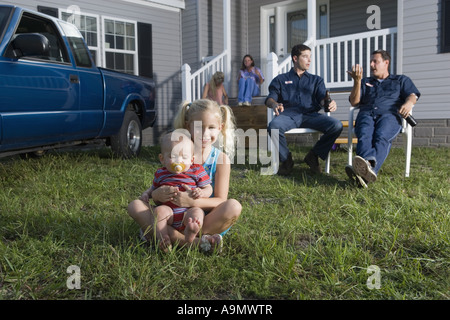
<point>191,230</point>
<point>211,243</point>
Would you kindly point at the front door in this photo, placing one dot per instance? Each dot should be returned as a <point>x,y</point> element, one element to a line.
<point>297,29</point>
<point>285,24</point>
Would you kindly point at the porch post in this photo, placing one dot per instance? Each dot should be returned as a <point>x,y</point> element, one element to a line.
<point>227,42</point>
<point>272,72</point>
<point>312,33</point>
<point>280,33</point>
<point>399,38</point>
<point>186,82</point>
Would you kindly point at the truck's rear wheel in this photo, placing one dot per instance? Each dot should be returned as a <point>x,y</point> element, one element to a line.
<point>127,143</point>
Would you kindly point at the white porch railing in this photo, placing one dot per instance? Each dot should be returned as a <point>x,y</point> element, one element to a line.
<point>193,84</point>
<point>332,57</point>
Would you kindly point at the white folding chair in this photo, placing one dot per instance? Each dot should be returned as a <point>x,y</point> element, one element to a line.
<point>407,141</point>
<point>275,157</point>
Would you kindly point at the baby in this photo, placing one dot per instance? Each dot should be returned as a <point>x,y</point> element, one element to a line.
<point>177,158</point>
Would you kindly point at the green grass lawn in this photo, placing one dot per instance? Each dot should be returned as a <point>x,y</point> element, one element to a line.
<point>299,237</point>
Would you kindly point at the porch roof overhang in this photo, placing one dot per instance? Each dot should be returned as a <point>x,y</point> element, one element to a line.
<point>172,5</point>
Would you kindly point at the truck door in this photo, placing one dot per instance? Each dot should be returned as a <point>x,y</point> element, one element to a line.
<point>91,83</point>
<point>40,93</point>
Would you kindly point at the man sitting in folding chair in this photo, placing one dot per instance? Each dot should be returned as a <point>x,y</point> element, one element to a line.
<point>296,97</point>
<point>382,99</point>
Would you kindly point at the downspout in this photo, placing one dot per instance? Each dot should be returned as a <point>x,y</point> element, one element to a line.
<point>227,42</point>
<point>199,35</point>
<point>312,33</point>
<point>399,36</point>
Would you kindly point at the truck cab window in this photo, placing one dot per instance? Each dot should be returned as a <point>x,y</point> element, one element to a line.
<point>79,50</point>
<point>30,24</point>
<point>4,16</point>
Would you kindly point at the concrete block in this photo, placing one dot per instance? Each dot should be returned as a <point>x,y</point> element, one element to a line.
<point>423,132</point>
<point>442,131</point>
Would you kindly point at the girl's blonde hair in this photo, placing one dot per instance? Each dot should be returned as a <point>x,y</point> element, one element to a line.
<point>218,77</point>
<point>225,117</point>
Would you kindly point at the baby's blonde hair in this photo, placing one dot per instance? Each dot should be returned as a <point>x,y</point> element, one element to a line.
<point>177,136</point>
<point>224,114</point>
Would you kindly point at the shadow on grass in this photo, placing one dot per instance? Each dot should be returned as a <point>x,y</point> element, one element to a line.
<point>301,174</point>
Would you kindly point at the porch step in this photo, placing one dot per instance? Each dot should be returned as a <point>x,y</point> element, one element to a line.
<point>255,101</point>
<point>247,117</point>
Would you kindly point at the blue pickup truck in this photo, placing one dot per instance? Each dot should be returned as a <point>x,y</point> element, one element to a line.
<point>53,95</point>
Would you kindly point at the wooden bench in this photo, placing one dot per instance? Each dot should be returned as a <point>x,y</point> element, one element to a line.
<point>344,140</point>
<point>250,117</point>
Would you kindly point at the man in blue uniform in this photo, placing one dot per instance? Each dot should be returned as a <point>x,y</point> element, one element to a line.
<point>383,99</point>
<point>296,97</point>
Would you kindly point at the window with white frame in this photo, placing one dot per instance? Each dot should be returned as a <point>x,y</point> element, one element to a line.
<point>117,44</point>
<point>88,25</point>
<point>120,49</point>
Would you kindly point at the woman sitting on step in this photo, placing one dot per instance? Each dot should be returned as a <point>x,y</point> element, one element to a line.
<point>249,81</point>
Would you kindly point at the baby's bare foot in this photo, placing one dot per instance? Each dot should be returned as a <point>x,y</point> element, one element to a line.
<point>191,230</point>
<point>165,245</point>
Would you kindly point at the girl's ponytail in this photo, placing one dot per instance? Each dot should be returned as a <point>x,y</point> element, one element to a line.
<point>180,118</point>
<point>228,130</point>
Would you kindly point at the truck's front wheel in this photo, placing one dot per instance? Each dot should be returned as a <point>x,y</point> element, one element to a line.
<point>127,143</point>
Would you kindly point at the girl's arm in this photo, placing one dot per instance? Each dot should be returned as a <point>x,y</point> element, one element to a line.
<point>240,75</point>
<point>261,80</point>
<point>201,192</point>
<point>225,99</point>
<point>164,194</point>
<point>146,195</point>
<point>205,91</point>
<point>221,187</point>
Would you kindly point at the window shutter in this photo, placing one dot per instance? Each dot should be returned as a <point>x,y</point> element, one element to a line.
<point>48,10</point>
<point>145,49</point>
<point>445,31</point>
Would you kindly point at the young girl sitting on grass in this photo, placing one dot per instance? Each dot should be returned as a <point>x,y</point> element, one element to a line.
<point>207,122</point>
<point>179,170</point>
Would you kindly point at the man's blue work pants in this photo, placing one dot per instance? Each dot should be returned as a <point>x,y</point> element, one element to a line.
<point>375,135</point>
<point>329,126</point>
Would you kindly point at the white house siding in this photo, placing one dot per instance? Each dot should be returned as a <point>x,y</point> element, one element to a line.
<point>203,37</point>
<point>429,69</point>
<point>166,47</point>
<point>191,35</point>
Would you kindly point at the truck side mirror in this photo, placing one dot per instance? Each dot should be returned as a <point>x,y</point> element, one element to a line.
<point>29,44</point>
